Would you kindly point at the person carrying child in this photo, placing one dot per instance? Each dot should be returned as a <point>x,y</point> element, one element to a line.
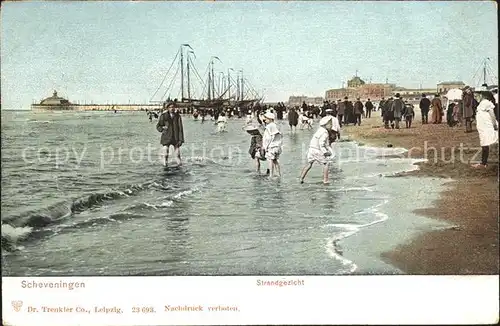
<point>256,150</point>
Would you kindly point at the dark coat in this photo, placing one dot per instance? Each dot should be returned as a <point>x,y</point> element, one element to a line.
<point>358,107</point>
<point>397,107</point>
<point>425,104</point>
<point>174,134</point>
<point>369,106</point>
<point>349,112</point>
<point>293,117</point>
<point>468,102</point>
<point>256,145</point>
<point>341,108</point>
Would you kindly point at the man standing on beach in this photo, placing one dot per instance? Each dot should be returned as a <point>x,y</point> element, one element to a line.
<point>358,111</point>
<point>425,104</point>
<point>340,111</point>
<point>172,131</point>
<point>388,114</point>
<point>468,105</point>
<point>369,108</point>
<point>397,107</point>
<point>381,107</point>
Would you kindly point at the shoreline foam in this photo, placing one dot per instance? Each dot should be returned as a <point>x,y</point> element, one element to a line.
<point>470,204</point>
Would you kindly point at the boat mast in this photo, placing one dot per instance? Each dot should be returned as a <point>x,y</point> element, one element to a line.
<point>237,86</point>
<point>189,90</point>
<point>182,73</point>
<point>213,81</point>
<point>484,72</point>
<point>209,85</point>
<point>242,87</point>
<point>229,85</point>
<point>188,73</point>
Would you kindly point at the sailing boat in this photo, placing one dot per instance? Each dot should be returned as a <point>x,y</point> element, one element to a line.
<point>487,76</point>
<point>216,97</point>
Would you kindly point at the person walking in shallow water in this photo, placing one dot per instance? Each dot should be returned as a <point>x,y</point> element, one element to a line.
<point>272,143</point>
<point>172,132</point>
<point>319,149</point>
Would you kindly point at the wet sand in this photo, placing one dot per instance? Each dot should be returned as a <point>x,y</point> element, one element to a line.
<point>470,203</point>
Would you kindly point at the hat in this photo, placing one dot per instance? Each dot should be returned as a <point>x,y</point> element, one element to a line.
<point>324,121</point>
<point>398,95</point>
<point>269,115</point>
<point>328,110</point>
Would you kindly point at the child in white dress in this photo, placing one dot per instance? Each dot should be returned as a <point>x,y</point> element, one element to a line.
<point>221,122</point>
<point>272,143</point>
<point>319,149</point>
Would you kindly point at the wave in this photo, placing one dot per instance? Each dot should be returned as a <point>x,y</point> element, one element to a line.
<point>332,245</point>
<point>12,235</point>
<point>38,121</point>
<point>59,211</point>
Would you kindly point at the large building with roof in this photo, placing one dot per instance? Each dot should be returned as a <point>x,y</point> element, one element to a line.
<point>444,87</point>
<point>357,87</point>
<point>53,102</point>
<point>298,100</point>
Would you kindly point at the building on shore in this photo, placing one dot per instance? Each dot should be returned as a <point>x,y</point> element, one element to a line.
<point>53,102</point>
<point>356,87</point>
<point>57,103</point>
<point>413,95</point>
<point>298,100</point>
<point>444,87</point>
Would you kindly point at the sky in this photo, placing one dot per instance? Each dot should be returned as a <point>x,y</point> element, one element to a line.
<point>119,52</point>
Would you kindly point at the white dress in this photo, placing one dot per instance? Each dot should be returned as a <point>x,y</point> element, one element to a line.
<point>272,141</point>
<point>318,147</point>
<point>486,123</point>
<point>221,124</point>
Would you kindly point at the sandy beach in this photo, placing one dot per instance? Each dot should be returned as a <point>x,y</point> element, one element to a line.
<point>470,203</point>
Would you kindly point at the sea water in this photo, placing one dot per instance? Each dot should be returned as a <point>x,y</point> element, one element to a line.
<point>87,194</point>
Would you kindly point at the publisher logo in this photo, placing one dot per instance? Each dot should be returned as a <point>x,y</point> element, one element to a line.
<point>17,305</point>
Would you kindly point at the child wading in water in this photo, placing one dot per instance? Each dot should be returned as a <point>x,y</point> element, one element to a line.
<point>272,143</point>
<point>256,151</point>
<point>319,149</point>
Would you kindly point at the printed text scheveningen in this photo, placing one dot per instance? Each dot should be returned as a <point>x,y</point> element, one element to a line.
<point>52,285</point>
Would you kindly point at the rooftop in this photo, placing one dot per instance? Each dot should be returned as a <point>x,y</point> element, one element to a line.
<point>452,83</point>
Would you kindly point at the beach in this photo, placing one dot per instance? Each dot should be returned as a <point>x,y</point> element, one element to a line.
<point>469,202</point>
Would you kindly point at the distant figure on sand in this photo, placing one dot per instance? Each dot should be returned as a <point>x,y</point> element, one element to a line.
<point>468,105</point>
<point>424,105</point>
<point>293,119</point>
<point>487,126</point>
<point>397,108</point>
<point>272,143</point>
<point>256,151</point>
<point>358,111</point>
<point>319,149</point>
<point>369,108</point>
<point>172,131</point>
<point>408,114</point>
<point>437,110</point>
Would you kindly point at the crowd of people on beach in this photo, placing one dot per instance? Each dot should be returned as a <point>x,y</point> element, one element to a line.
<point>266,137</point>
